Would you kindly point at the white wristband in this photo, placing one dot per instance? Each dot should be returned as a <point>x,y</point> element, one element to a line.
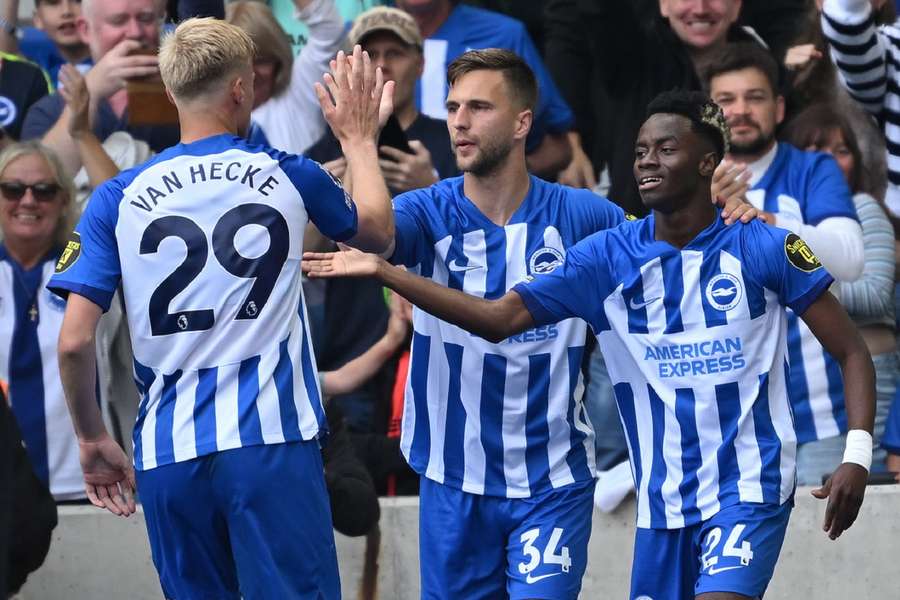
<point>859,448</point>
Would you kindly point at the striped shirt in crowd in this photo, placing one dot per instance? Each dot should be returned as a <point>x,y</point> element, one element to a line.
<point>868,60</point>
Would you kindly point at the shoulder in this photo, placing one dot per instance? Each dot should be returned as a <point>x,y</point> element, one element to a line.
<point>440,194</point>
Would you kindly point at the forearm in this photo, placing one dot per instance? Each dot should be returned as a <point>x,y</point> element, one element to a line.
<point>99,166</point>
<point>494,320</point>
<point>10,12</point>
<point>836,241</point>
<point>59,140</point>
<point>77,370</point>
<point>552,155</point>
<point>373,201</point>
<point>356,372</point>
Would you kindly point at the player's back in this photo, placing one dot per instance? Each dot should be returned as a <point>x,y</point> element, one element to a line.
<point>208,238</point>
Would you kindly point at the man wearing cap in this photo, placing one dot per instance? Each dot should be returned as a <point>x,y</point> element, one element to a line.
<point>392,39</point>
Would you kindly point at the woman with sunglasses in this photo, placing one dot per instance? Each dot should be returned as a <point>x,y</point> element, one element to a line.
<point>35,201</point>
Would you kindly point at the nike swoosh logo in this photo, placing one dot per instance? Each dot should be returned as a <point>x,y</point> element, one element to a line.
<point>530,579</point>
<point>713,571</point>
<point>638,306</point>
<point>458,268</point>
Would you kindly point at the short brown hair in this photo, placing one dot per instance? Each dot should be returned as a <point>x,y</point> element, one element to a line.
<point>516,72</point>
<point>745,55</point>
<point>271,41</point>
<point>200,53</point>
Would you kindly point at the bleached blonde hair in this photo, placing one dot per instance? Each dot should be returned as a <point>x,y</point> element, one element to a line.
<point>200,53</point>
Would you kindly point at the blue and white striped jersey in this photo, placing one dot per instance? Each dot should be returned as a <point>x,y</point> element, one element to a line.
<point>808,187</point>
<point>30,319</point>
<point>495,419</point>
<point>695,343</point>
<point>207,239</point>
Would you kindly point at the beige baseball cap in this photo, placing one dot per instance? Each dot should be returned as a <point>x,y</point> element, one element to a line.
<point>384,18</point>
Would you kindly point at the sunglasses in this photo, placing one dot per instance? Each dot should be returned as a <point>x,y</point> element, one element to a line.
<point>42,192</point>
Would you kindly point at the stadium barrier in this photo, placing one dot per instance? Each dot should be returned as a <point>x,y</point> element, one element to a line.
<point>96,555</point>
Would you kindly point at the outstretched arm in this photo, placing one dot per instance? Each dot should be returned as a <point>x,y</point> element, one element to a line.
<point>847,485</point>
<point>494,320</point>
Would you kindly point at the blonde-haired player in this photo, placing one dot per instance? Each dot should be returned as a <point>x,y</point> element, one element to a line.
<point>206,241</point>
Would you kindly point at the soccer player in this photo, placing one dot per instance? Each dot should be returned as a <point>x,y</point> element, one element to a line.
<point>206,241</point>
<point>496,430</point>
<point>691,315</point>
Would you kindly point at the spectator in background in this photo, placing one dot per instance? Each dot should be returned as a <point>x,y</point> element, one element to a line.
<point>451,29</point>
<point>114,30</point>
<point>870,299</point>
<point>611,60</point>
<point>298,32</point>
<point>805,193</point>
<point>392,39</point>
<point>863,54</point>
<point>22,85</point>
<point>53,41</point>
<point>286,111</point>
<point>36,216</point>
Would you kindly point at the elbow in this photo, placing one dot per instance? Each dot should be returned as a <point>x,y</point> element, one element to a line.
<point>72,345</point>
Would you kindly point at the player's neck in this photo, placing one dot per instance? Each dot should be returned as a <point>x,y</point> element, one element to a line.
<point>680,226</point>
<point>500,193</point>
<point>27,254</point>
<point>197,126</point>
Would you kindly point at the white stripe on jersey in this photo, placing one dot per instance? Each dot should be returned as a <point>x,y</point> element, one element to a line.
<point>183,421</point>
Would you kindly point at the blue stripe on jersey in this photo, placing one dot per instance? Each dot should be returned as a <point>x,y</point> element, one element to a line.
<point>495,256</point>
<point>625,401</point>
<point>690,452</point>
<point>455,432</point>
<point>284,384</point>
<point>165,417</point>
<point>248,391</point>
<point>836,390</point>
<point>769,444</point>
<point>310,376</point>
<point>577,457</point>
<point>537,431</point>
<point>418,380</point>
<point>144,378</point>
<point>205,411</point>
<point>633,295</point>
<point>673,284</point>
<point>658,464</point>
<point>728,400</point>
<point>798,388</point>
<point>493,390</point>
<point>713,316</point>
<point>26,380</point>
<point>756,300</point>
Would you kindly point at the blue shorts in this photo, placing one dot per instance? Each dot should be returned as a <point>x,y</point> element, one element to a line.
<point>250,522</point>
<point>473,546</point>
<point>734,551</point>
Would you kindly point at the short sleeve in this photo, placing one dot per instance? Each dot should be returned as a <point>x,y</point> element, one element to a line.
<point>559,294</point>
<point>828,194</point>
<point>89,265</point>
<point>591,213</point>
<point>785,264</point>
<point>329,206</point>
<point>409,228</point>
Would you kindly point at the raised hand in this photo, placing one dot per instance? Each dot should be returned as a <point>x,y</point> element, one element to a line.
<point>73,89</point>
<point>108,476</point>
<point>799,57</point>
<point>355,99</point>
<point>118,65</point>
<point>845,490</point>
<point>728,189</point>
<point>347,263</point>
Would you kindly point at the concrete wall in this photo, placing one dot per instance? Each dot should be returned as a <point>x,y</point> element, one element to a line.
<point>97,555</point>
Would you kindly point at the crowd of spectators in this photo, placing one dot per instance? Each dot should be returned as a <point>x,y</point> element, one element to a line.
<point>80,100</point>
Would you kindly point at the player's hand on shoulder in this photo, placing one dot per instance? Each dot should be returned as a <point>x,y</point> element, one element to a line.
<point>845,490</point>
<point>355,99</point>
<point>349,262</point>
<point>728,190</point>
<point>108,475</point>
